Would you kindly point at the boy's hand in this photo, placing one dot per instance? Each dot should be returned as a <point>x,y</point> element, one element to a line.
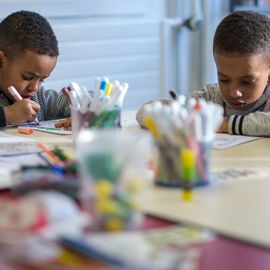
<point>223,128</point>
<point>23,110</point>
<point>65,123</point>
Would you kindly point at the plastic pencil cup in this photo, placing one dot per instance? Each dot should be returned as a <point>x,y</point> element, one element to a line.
<point>108,118</point>
<point>184,167</point>
<point>76,120</point>
<point>113,168</point>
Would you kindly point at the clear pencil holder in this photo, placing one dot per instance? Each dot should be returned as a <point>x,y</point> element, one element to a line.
<point>110,118</point>
<point>76,122</point>
<point>112,176</point>
<point>185,167</point>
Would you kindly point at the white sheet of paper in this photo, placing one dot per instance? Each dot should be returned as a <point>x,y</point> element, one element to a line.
<point>51,124</point>
<point>126,122</point>
<point>13,163</point>
<point>15,145</point>
<point>239,174</point>
<point>5,178</point>
<point>223,141</point>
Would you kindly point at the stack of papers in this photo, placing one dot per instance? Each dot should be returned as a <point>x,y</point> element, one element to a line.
<point>160,248</point>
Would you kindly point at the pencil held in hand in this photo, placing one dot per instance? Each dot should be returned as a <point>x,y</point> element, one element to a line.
<point>12,90</point>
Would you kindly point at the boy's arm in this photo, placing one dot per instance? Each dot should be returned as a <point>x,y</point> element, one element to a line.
<point>252,124</point>
<point>63,105</point>
<point>140,115</point>
<point>211,92</point>
<point>54,104</point>
<point>223,128</point>
<point>201,94</point>
<point>205,94</point>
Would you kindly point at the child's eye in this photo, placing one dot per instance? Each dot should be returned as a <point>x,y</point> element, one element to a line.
<point>224,81</point>
<point>27,78</point>
<point>247,82</point>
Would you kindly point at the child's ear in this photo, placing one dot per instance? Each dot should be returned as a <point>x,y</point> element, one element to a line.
<point>268,76</point>
<point>2,59</point>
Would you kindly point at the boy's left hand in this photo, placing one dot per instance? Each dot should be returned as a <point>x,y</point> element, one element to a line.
<point>223,128</point>
<point>65,123</point>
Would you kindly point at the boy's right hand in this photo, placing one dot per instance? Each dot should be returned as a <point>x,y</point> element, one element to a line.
<point>65,123</point>
<point>20,111</point>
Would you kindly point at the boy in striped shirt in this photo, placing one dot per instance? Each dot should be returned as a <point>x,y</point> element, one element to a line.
<point>28,55</point>
<point>241,51</point>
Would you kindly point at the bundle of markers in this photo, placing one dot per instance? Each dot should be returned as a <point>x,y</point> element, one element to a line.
<point>112,176</point>
<point>184,132</point>
<point>100,108</point>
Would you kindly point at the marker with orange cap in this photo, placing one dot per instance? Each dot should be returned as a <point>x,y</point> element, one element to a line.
<point>55,159</point>
<point>25,130</point>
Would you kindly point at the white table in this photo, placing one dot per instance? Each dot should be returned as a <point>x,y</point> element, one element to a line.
<point>239,209</point>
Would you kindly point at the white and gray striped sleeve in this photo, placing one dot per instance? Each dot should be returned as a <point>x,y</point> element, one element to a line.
<point>54,105</point>
<point>252,124</point>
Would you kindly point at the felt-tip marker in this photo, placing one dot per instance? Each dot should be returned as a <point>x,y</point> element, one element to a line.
<point>12,90</point>
<point>48,128</point>
<point>173,94</point>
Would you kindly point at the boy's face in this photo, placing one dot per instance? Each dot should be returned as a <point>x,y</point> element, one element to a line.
<point>242,78</point>
<point>26,73</point>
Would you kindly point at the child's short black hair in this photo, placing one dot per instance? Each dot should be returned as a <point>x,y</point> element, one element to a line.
<point>27,30</point>
<point>243,32</point>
